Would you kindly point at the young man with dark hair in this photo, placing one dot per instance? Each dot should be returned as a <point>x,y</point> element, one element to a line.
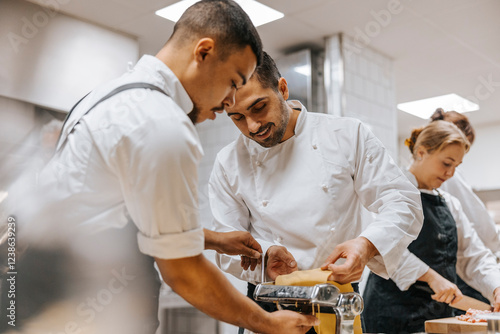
<point>130,149</point>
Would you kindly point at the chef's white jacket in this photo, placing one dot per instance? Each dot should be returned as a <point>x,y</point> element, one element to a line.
<point>308,194</point>
<point>476,212</point>
<point>136,152</point>
<point>476,264</point>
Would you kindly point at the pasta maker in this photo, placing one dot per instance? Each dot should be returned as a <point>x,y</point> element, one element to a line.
<point>320,298</point>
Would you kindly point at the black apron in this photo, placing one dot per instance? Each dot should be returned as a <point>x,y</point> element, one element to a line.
<point>390,310</point>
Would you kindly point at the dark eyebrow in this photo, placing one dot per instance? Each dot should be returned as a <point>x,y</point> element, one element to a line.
<point>243,78</point>
<point>249,107</point>
<point>256,101</point>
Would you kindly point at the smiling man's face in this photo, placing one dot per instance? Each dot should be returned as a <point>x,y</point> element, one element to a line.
<point>260,113</point>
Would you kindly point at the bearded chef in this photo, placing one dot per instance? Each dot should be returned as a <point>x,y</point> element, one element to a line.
<point>300,182</point>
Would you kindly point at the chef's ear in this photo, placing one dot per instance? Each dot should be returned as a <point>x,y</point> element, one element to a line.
<point>421,152</point>
<point>204,47</point>
<point>283,88</point>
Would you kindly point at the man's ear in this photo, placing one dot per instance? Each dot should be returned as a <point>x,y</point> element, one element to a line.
<point>283,88</point>
<point>204,47</point>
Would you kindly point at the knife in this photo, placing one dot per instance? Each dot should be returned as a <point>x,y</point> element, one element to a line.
<point>463,304</point>
<point>468,302</point>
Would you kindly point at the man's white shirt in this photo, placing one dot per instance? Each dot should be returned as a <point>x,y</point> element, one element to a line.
<point>136,153</point>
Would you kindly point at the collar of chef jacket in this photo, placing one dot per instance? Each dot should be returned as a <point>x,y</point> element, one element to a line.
<point>163,77</point>
<point>414,181</point>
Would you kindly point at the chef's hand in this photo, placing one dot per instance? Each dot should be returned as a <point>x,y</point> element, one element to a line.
<point>279,262</point>
<point>233,243</point>
<point>247,262</point>
<point>357,253</point>
<point>444,290</point>
<point>288,322</point>
<point>496,304</point>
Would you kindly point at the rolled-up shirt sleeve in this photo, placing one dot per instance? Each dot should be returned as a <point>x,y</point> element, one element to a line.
<point>157,167</point>
<point>385,190</point>
<point>410,269</point>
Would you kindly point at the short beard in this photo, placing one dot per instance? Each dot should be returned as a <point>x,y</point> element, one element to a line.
<point>279,133</point>
<point>193,114</point>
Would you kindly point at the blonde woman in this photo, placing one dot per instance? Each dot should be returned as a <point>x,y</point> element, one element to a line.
<point>445,247</point>
<point>474,208</point>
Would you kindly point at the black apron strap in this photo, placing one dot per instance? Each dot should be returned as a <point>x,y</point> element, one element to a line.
<point>133,85</point>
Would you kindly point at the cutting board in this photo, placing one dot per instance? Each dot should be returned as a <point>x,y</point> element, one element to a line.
<point>453,325</point>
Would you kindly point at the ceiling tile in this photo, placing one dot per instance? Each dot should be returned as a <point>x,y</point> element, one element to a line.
<point>149,6</point>
<point>148,26</point>
<point>106,13</point>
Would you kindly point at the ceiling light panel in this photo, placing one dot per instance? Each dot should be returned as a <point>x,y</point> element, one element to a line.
<point>259,14</point>
<point>426,107</point>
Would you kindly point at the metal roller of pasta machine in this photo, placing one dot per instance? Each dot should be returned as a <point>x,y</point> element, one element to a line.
<point>325,298</point>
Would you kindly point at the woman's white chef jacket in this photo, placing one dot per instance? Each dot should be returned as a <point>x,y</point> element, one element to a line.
<point>476,264</point>
<point>476,212</point>
<point>308,194</point>
<point>138,152</point>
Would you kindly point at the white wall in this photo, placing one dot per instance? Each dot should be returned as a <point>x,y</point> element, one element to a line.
<point>360,84</point>
<point>481,165</point>
<point>52,60</point>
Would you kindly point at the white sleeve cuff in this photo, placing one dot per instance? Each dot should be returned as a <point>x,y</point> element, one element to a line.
<point>173,245</point>
<point>376,264</point>
<point>387,246</point>
<point>487,286</point>
<point>410,270</point>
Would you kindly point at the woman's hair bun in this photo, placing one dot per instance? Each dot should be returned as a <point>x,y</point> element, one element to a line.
<point>410,142</point>
<point>438,115</point>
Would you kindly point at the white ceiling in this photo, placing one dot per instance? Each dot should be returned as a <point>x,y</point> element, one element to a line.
<point>438,47</point>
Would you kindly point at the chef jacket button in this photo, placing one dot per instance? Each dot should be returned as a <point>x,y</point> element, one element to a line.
<point>332,229</point>
<point>279,239</point>
<point>264,203</point>
<point>258,163</point>
<point>315,146</point>
<point>130,66</point>
<point>104,124</point>
<point>325,187</point>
